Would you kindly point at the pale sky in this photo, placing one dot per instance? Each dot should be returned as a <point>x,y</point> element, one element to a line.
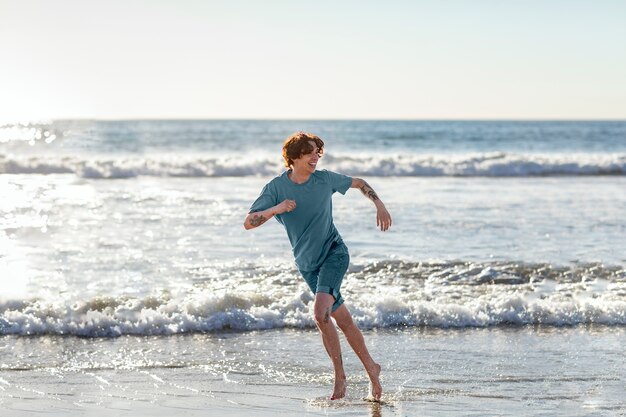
<point>439,59</point>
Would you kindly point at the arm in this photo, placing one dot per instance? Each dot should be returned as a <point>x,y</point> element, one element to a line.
<point>258,218</point>
<point>383,218</point>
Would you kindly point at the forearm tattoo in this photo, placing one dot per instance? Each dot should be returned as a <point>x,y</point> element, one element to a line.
<point>257,220</point>
<point>368,191</point>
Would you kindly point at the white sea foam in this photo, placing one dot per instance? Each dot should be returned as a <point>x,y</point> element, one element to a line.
<point>465,165</point>
<point>379,295</point>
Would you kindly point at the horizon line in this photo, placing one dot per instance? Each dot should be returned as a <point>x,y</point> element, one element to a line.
<point>173,119</point>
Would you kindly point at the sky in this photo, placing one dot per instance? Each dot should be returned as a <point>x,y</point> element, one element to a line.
<point>235,59</point>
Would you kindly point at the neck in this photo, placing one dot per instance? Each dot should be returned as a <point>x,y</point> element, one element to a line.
<point>299,177</point>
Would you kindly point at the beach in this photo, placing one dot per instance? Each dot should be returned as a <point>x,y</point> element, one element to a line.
<point>510,371</point>
<point>130,287</point>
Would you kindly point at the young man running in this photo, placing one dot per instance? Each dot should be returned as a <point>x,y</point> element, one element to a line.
<point>301,200</point>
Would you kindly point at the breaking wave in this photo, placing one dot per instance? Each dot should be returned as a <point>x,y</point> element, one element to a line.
<point>466,165</point>
<point>380,294</point>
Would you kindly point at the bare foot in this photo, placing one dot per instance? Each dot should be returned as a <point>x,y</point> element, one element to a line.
<point>340,388</point>
<point>376,390</point>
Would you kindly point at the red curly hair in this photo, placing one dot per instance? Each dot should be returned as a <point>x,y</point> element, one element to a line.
<point>298,144</point>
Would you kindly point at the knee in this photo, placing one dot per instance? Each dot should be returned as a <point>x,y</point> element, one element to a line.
<point>322,316</point>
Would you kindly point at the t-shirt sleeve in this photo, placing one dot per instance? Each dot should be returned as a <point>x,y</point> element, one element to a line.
<point>266,199</point>
<point>339,182</point>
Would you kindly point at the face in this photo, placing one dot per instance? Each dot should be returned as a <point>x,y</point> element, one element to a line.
<point>307,162</point>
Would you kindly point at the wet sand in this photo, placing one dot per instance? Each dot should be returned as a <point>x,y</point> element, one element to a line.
<point>576,371</point>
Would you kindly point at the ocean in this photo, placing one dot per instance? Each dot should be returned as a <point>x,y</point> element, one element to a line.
<point>500,289</point>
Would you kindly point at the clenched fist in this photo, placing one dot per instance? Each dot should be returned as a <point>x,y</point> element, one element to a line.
<point>286,206</point>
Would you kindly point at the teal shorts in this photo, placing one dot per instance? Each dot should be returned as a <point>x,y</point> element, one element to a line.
<point>327,278</point>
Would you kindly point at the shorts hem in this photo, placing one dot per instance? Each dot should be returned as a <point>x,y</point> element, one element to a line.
<point>337,304</point>
<point>328,290</point>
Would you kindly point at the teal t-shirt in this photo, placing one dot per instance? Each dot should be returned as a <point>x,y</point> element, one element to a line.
<point>310,226</point>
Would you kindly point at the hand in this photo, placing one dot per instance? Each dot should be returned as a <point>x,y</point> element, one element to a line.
<point>286,206</point>
<point>383,219</point>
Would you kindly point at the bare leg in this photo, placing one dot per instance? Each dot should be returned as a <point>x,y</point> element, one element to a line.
<point>355,338</point>
<point>323,305</point>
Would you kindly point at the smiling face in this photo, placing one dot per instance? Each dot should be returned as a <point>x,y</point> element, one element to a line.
<point>301,151</point>
<point>308,161</point>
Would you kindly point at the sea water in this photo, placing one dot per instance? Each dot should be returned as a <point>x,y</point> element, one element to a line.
<point>134,228</point>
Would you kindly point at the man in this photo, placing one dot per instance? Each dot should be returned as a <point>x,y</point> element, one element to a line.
<point>301,200</point>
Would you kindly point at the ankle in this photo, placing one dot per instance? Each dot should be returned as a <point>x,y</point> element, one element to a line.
<point>373,368</point>
<point>340,375</point>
